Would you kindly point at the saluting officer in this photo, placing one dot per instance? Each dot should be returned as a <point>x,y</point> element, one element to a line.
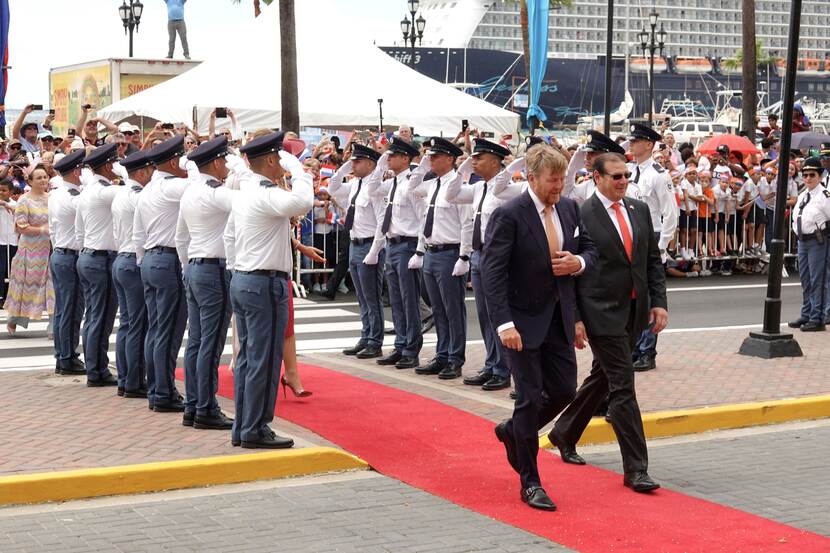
<point>132,328</point>
<point>651,184</point>
<point>366,254</point>
<point>257,243</point>
<point>93,232</point>
<point>69,301</point>
<point>485,195</point>
<point>811,214</point>
<point>203,214</point>
<point>400,224</point>
<point>446,260</point>
<point>154,232</point>
<point>598,144</point>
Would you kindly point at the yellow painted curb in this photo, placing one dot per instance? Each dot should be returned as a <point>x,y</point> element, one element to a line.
<point>692,421</point>
<point>171,475</point>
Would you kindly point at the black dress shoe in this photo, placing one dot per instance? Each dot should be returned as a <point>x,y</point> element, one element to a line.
<point>433,367</point>
<point>389,331</point>
<point>141,392</point>
<point>566,451</point>
<point>172,407</point>
<point>109,380</point>
<point>427,324</point>
<point>354,349</point>
<point>640,482</point>
<point>645,363</point>
<point>513,394</point>
<point>536,497</point>
<point>120,391</point>
<point>70,367</point>
<point>812,327</point>
<point>509,444</point>
<point>796,323</point>
<point>390,359</point>
<point>407,363</point>
<point>236,442</point>
<point>187,418</point>
<point>213,422</point>
<point>369,352</point>
<point>272,441</point>
<point>450,372</point>
<point>479,379</point>
<point>496,383</point>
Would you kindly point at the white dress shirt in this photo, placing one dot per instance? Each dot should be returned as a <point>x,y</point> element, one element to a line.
<point>258,233</point>
<point>157,213</point>
<point>203,215</point>
<point>814,212</point>
<point>407,212</point>
<point>123,215</point>
<point>63,206</point>
<point>451,222</point>
<point>93,218</point>
<point>368,212</point>
<point>654,187</point>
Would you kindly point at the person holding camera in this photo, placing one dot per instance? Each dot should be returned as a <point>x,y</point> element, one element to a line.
<point>27,132</point>
<point>87,128</point>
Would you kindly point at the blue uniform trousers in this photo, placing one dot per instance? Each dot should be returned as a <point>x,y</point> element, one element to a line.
<point>814,271</point>
<point>368,285</point>
<point>446,294</point>
<point>404,295</point>
<point>95,272</point>
<point>69,305</point>
<point>132,326</point>
<point>495,361</point>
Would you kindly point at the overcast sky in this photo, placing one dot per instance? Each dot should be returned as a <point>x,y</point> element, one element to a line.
<point>52,33</point>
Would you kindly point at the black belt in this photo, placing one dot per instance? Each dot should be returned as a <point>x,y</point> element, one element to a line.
<point>163,249</point>
<point>812,235</point>
<point>361,241</point>
<point>400,239</point>
<point>126,254</point>
<point>96,253</point>
<point>205,261</point>
<point>264,272</point>
<point>441,247</point>
<point>66,251</point>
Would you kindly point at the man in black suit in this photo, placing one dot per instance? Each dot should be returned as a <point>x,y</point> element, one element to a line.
<point>622,295</point>
<point>528,273</point>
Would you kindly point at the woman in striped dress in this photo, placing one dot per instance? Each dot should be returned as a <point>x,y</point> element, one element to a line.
<point>30,282</point>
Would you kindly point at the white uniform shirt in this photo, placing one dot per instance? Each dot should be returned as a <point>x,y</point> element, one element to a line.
<point>368,212</point>
<point>652,184</point>
<point>258,233</point>
<point>63,206</point>
<point>406,210</point>
<point>451,222</point>
<point>813,206</point>
<point>157,213</point>
<point>203,215</point>
<point>93,218</point>
<point>123,215</point>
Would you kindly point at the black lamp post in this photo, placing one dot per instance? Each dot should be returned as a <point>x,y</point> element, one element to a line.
<point>131,16</point>
<point>412,29</point>
<point>652,42</point>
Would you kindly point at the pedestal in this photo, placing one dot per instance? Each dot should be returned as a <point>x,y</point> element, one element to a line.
<point>770,346</point>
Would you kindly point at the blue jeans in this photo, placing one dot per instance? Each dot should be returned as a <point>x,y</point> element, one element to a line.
<point>813,271</point>
<point>495,361</point>
<point>209,315</point>
<point>95,272</point>
<point>260,304</point>
<point>132,328</point>
<point>404,295</point>
<point>368,286</point>
<point>161,274</point>
<point>69,305</point>
<point>446,294</point>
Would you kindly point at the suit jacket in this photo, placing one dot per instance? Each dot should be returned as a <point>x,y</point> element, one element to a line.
<point>516,269</point>
<point>604,293</point>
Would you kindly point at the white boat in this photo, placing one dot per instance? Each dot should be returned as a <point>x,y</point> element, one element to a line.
<point>640,64</point>
<point>692,65</point>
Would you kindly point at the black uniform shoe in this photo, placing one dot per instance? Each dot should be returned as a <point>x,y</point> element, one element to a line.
<point>433,367</point>
<point>390,359</point>
<point>70,367</point>
<point>108,380</point>
<point>214,422</point>
<point>427,324</point>
<point>496,383</point>
<point>408,363</point>
<point>513,394</point>
<point>270,441</point>
<point>172,407</point>
<point>645,363</point>
<point>480,378</point>
<point>369,352</point>
<point>536,497</point>
<point>640,482</point>
<point>509,444</point>
<point>354,349</point>
<point>187,418</point>
<point>389,331</point>
<point>812,327</point>
<point>796,323</point>
<point>141,392</point>
<point>566,451</point>
<point>120,391</point>
<point>235,442</point>
<point>450,372</point>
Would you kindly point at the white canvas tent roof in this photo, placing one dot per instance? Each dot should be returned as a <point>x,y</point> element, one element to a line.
<point>334,92</point>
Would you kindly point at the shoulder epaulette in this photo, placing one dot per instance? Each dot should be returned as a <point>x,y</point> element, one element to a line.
<point>658,167</point>
<point>826,193</point>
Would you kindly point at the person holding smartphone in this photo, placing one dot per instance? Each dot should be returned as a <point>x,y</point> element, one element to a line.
<point>27,132</point>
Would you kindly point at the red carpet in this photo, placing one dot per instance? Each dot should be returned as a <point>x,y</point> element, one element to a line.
<point>454,455</point>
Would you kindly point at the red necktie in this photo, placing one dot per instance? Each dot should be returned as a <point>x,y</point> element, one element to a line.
<point>626,235</point>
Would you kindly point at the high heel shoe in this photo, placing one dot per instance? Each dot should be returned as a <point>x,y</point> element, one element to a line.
<point>12,330</point>
<point>300,393</point>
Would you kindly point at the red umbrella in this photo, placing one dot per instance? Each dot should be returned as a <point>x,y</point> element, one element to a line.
<point>734,142</point>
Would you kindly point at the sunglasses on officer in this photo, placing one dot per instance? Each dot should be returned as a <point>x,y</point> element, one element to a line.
<point>809,174</point>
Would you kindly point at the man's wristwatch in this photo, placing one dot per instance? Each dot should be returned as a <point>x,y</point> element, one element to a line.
<point>464,257</point>
<point>419,254</point>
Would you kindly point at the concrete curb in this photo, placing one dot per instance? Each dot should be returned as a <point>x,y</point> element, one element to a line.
<point>172,475</point>
<point>693,421</point>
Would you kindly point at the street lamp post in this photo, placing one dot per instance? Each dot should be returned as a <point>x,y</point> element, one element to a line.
<point>131,16</point>
<point>652,42</point>
<point>412,29</point>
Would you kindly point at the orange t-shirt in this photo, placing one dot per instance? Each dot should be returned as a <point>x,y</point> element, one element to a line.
<point>704,209</point>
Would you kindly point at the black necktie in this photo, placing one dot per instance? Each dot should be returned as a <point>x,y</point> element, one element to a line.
<point>350,214</point>
<point>73,191</point>
<point>637,175</point>
<point>431,211</point>
<point>798,229</point>
<point>477,221</point>
<point>387,217</point>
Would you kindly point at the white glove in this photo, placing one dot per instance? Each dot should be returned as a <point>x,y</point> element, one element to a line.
<point>383,162</point>
<point>516,165</point>
<point>664,256</point>
<point>415,262</point>
<point>425,165</point>
<point>344,170</point>
<point>461,268</point>
<point>371,257</point>
<point>290,163</point>
<point>466,168</point>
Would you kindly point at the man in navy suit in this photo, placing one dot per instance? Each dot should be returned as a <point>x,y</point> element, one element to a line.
<point>535,246</point>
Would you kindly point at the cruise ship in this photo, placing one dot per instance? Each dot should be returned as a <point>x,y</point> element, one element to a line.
<point>476,45</point>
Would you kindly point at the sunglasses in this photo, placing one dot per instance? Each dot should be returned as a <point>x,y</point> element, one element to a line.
<point>809,174</point>
<point>620,176</point>
<point>121,144</point>
<point>15,146</point>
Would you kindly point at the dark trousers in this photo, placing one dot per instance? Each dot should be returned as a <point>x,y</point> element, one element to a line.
<point>7,253</point>
<point>69,305</point>
<point>612,375</point>
<point>132,328</point>
<point>404,292</point>
<point>95,274</point>
<point>342,266</point>
<point>545,380</point>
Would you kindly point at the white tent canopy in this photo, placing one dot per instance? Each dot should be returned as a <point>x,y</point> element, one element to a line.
<point>335,91</point>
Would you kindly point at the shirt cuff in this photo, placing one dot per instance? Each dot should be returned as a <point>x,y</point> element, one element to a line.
<point>506,326</point>
<point>582,267</point>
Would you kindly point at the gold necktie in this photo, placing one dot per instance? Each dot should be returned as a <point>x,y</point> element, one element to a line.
<point>550,232</point>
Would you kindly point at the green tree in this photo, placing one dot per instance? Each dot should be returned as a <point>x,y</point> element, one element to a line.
<point>762,59</point>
